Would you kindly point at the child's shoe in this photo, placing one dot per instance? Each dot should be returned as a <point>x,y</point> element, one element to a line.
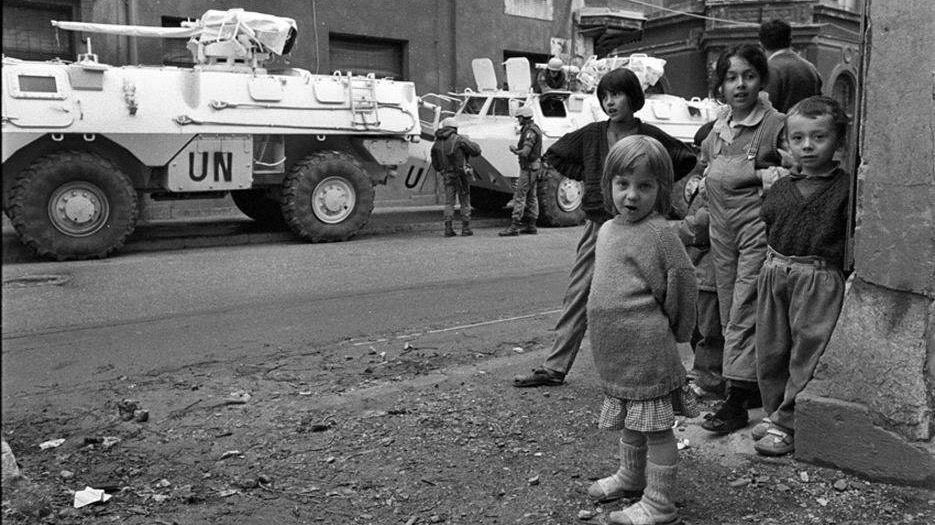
<point>657,507</point>
<point>627,482</point>
<point>776,442</point>
<point>760,429</point>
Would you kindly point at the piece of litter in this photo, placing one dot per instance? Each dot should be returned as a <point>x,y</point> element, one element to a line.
<point>305,393</point>
<point>822,501</point>
<point>159,498</point>
<point>518,349</point>
<point>110,441</point>
<point>406,346</point>
<point>239,397</point>
<point>586,514</point>
<point>90,495</point>
<point>226,493</point>
<point>230,453</point>
<point>52,443</point>
<point>683,444</point>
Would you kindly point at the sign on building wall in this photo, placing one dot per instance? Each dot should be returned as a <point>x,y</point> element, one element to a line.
<point>541,9</point>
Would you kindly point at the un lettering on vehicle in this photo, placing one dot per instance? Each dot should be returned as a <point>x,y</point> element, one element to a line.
<point>212,163</point>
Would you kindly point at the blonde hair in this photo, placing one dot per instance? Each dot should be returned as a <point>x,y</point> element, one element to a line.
<point>630,152</point>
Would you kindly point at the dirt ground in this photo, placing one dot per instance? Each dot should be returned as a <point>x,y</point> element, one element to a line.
<point>422,428</point>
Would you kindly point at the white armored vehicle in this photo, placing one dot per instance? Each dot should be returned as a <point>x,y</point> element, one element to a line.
<point>83,140</point>
<point>486,117</point>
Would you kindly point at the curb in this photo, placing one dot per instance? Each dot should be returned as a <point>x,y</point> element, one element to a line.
<point>207,232</point>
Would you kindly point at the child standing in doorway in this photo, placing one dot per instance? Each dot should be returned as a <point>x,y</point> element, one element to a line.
<point>800,288</point>
<point>642,302</point>
<point>737,156</point>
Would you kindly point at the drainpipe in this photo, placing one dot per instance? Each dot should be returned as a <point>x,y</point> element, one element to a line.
<point>453,31</point>
<point>133,55</point>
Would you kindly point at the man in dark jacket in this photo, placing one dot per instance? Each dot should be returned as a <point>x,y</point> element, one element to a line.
<point>791,77</point>
<point>450,154</point>
<point>525,198</point>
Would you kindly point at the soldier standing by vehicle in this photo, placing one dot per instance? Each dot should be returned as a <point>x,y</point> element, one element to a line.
<point>525,198</point>
<point>449,158</point>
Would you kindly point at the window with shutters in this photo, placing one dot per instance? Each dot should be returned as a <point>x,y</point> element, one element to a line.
<point>362,55</point>
<point>28,33</point>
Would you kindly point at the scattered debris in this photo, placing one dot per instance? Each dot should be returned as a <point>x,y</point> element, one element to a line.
<point>840,485</point>
<point>239,397</point>
<point>227,492</point>
<point>109,441</point>
<point>127,408</point>
<point>804,476</point>
<point>230,453</point>
<point>741,482</point>
<point>682,444</point>
<point>822,501</point>
<point>141,416</point>
<point>52,443</point>
<point>518,349</point>
<point>66,474</point>
<point>533,480</point>
<point>90,495</point>
<point>163,483</point>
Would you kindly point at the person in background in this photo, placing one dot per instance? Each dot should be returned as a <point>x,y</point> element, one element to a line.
<point>552,78</point>
<point>741,150</point>
<point>525,198</point>
<point>791,77</point>
<point>450,154</point>
<point>800,289</point>
<point>642,304</point>
<point>579,155</point>
<point>707,340</point>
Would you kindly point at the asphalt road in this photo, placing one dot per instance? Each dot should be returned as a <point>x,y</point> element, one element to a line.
<point>66,324</point>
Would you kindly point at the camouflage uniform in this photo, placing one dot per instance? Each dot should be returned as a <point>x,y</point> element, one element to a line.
<point>449,157</point>
<point>525,197</point>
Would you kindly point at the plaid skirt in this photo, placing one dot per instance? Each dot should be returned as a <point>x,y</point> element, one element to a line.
<point>648,415</point>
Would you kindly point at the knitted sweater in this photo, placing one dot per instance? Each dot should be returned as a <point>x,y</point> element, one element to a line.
<point>813,225</point>
<point>642,302</point>
<point>580,155</point>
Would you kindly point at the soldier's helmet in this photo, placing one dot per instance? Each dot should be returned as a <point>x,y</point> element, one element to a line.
<point>555,64</point>
<point>525,112</point>
<point>448,122</point>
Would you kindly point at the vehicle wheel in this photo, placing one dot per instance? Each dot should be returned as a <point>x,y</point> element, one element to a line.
<point>560,200</point>
<point>259,206</point>
<point>73,205</point>
<point>327,197</point>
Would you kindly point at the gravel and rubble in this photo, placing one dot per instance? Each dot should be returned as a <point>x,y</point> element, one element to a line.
<point>417,429</point>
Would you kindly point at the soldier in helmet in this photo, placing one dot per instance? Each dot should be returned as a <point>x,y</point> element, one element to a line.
<point>525,198</point>
<point>450,154</point>
<point>552,77</point>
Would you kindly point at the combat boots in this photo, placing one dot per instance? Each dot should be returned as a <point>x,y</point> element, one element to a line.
<point>466,229</point>
<point>511,231</point>
<point>449,231</point>
<point>529,227</point>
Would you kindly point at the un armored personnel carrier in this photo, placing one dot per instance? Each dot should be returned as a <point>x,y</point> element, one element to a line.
<point>486,117</point>
<point>83,140</point>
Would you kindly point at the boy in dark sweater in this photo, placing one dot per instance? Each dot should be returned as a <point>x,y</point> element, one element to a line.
<point>800,287</point>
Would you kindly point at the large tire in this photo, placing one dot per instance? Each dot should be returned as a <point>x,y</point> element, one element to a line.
<point>259,206</point>
<point>73,205</point>
<point>560,200</point>
<point>327,197</point>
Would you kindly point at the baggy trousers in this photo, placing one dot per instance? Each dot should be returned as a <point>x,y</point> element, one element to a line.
<point>572,324</point>
<point>738,246</point>
<point>456,184</point>
<point>525,196</point>
<point>708,341</point>
<point>798,303</point>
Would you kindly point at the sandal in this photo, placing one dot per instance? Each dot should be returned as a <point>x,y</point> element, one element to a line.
<point>759,431</point>
<point>539,377</point>
<point>776,443</point>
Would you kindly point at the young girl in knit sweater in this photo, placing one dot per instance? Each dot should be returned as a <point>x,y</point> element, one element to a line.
<point>642,303</point>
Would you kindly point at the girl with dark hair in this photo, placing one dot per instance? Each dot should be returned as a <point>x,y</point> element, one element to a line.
<point>739,153</point>
<point>580,155</point>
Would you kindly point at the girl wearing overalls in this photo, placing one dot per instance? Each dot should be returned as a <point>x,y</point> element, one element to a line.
<point>738,153</point>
